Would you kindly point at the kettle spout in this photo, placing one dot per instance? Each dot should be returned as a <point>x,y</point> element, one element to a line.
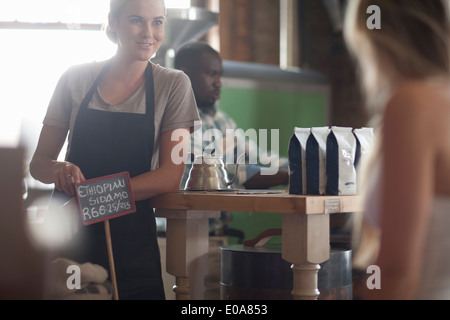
<point>237,169</point>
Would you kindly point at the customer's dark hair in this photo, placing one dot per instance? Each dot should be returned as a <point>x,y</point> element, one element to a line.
<point>186,56</point>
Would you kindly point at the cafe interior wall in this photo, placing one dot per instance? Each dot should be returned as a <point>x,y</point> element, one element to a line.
<point>249,32</point>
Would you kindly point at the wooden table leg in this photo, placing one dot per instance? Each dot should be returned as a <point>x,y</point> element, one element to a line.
<point>187,250</point>
<point>306,244</point>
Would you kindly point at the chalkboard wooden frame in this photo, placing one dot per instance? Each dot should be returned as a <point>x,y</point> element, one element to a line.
<point>130,205</point>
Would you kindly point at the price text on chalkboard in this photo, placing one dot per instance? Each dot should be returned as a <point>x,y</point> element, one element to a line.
<point>105,198</point>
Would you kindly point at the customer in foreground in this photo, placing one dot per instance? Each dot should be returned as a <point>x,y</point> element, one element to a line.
<point>404,64</point>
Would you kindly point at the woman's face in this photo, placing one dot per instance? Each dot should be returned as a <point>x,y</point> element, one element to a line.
<point>140,28</point>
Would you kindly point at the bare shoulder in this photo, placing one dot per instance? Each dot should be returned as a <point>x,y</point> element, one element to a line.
<point>420,105</point>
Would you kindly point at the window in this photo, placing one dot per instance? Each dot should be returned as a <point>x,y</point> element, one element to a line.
<point>178,3</point>
<point>33,57</point>
<point>68,11</point>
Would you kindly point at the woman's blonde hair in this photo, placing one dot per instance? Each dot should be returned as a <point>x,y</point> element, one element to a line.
<point>116,8</point>
<point>413,43</point>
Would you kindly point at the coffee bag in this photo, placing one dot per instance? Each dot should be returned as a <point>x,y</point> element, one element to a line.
<point>365,138</point>
<point>341,172</point>
<point>316,158</point>
<point>297,161</point>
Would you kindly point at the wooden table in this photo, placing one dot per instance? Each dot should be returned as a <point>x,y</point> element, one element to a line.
<point>305,233</point>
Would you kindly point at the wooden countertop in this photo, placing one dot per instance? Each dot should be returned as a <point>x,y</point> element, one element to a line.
<point>256,201</point>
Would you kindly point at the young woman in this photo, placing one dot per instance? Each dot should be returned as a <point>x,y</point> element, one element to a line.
<point>121,115</point>
<point>405,69</point>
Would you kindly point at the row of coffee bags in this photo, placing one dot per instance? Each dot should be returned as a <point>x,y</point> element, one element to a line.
<point>324,161</point>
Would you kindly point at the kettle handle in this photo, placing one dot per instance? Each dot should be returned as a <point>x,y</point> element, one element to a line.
<point>237,169</point>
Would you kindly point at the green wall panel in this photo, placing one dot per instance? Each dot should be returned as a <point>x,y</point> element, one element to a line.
<point>271,109</point>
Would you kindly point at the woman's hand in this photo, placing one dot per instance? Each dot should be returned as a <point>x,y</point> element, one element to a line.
<point>66,176</point>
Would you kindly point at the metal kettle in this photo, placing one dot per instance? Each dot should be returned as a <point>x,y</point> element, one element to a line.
<point>208,173</point>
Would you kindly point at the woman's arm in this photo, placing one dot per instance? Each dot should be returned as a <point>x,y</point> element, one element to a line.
<point>45,167</point>
<point>168,177</point>
<point>409,138</point>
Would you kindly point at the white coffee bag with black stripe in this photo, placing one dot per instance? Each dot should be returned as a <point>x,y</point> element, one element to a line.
<point>341,152</point>
<point>316,159</point>
<point>365,139</point>
<point>297,161</point>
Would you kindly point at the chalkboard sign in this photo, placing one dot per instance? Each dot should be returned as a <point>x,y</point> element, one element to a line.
<point>105,198</point>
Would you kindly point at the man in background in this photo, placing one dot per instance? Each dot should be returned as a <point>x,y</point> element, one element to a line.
<point>204,67</point>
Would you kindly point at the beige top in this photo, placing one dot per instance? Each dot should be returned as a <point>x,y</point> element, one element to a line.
<point>175,105</point>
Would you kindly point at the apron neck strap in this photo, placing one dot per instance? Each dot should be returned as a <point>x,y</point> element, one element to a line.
<point>99,78</point>
<point>149,88</point>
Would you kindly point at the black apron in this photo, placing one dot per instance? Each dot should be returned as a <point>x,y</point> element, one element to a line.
<point>105,143</point>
